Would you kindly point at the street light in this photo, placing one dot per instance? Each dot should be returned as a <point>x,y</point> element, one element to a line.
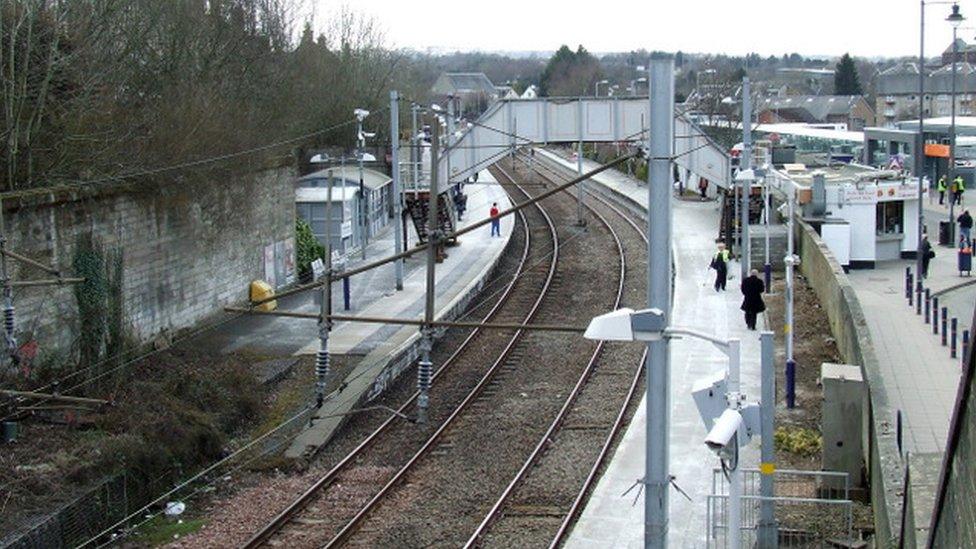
<point>730,421</point>
<point>361,136</point>
<point>955,19</point>
<point>596,87</point>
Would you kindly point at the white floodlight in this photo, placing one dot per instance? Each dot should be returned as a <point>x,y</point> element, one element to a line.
<point>627,325</point>
<point>360,114</point>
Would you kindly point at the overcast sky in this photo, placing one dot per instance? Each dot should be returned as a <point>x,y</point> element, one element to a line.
<point>810,27</point>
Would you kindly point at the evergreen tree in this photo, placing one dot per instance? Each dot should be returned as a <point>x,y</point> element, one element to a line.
<point>845,77</point>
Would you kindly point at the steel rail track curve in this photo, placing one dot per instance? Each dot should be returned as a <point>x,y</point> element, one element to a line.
<point>546,440</point>
<point>286,516</point>
<point>353,524</point>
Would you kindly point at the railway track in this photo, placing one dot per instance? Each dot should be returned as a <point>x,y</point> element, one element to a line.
<point>538,507</point>
<point>370,468</point>
<point>440,497</point>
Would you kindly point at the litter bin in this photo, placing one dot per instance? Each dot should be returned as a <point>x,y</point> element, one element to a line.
<point>966,261</point>
<point>945,233</point>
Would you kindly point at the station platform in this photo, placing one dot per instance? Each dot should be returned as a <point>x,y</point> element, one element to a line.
<point>380,351</point>
<point>612,519</point>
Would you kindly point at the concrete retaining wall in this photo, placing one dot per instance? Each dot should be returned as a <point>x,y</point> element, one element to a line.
<point>186,250</point>
<point>849,328</point>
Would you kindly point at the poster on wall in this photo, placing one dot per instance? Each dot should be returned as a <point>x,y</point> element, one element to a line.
<point>279,263</point>
<point>289,260</point>
<point>269,265</point>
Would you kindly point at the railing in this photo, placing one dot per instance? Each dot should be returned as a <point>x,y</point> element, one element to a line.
<point>811,507</point>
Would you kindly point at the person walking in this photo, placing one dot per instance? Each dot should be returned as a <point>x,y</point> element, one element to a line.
<point>496,224</point>
<point>703,187</point>
<point>941,187</point>
<point>720,262</point>
<point>966,226</point>
<point>927,254</point>
<point>958,187</point>
<point>752,301</point>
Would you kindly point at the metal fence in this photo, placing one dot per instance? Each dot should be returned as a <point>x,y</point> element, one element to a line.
<point>812,509</point>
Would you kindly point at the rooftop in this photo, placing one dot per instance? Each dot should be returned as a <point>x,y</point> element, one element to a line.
<point>350,174</point>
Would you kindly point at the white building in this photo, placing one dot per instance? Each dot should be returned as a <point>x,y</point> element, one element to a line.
<point>312,199</point>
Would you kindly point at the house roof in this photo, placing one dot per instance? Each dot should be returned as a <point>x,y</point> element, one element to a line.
<point>463,83</point>
<point>372,179</point>
<point>815,107</point>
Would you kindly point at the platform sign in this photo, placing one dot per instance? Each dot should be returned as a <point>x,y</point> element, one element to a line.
<point>269,265</point>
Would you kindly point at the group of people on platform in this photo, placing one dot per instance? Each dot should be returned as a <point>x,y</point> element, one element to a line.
<point>752,287</point>
<point>955,190</point>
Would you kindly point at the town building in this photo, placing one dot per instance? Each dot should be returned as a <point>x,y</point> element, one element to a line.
<point>472,91</point>
<point>897,92</point>
<point>850,111</point>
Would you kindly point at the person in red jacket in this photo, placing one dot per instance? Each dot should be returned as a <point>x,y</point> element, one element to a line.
<point>496,224</point>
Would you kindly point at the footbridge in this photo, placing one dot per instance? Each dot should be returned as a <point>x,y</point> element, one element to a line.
<point>512,123</point>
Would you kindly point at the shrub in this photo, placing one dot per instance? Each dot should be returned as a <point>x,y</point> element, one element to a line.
<point>798,441</point>
<point>307,249</point>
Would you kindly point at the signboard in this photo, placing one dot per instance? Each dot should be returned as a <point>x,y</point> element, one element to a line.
<point>269,265</point>
<point>880,193</point>
<point>346,230</point>
<point>937,150</point>
<point>853,195</point>
<point>289,260</point>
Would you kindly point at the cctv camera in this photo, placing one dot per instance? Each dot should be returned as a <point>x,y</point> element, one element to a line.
<point>723,431</point>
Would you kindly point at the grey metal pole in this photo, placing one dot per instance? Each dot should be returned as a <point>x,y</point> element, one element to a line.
<point>449,139</point>
<point>425,368</point>
<point>920,149</point>
<point>952,144</point>
<point>397,192</point>
<point>363,203</point>
<point>581,188</point>
<point>735,476</point>
<point>322,359</point>
<point>415,144</point>
<point>788,329</point>
<point>657,475</point>
<point>767,516</point>
<point>745,163</point>
<point>767,266</point>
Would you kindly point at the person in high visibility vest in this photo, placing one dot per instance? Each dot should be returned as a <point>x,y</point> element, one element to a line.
<point>941,187</point>
<point>720,262</point>
<point>958,187</point>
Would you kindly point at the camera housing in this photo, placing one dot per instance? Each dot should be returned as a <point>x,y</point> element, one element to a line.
<point>723,431</point>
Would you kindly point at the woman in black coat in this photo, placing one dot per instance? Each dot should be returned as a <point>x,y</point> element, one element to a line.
<point>752,302</point>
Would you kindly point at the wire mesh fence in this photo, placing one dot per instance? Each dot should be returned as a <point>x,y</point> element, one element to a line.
<point>811,509</point>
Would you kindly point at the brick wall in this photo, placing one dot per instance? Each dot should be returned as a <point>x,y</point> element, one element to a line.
<point>186,250</point>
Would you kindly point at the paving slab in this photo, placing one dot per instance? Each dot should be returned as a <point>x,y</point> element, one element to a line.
<point>611,519</point>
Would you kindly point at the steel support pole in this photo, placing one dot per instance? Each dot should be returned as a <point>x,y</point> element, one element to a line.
<point>952,144</point>
<point>415,155</point>
<point>322,359</point>
<point>657,474</point>
<point>425,368</point>
<point>363,203</point>
<point>581,188</point>
<point>920,148</point>
<point>767,508</point>
<point>788,328</point>
<point>397,192</point>
<point>735,475</point>
<point>767,266</point>
<point>9,319</point>
<point>745,163</point>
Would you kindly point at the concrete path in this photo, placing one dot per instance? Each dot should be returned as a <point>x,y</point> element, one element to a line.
<point>920,377</point>
<point>611,519</point>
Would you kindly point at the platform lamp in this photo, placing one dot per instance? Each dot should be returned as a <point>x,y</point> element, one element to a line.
<point>955,19</point>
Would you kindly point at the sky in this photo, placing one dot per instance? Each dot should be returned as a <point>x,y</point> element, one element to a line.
<point>868,28</point>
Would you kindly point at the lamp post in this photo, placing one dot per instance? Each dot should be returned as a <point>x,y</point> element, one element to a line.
<point>596,87</point>
<point>955,19</point>
<point>920,148</point>
<point>361,115</point>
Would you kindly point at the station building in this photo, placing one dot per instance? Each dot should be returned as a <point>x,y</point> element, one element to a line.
<point>346,216</point>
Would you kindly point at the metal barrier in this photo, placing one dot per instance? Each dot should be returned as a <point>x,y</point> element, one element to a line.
<point>812,507</point>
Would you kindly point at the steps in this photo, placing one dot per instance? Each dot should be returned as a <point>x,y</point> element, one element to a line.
<point>417,203</point>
